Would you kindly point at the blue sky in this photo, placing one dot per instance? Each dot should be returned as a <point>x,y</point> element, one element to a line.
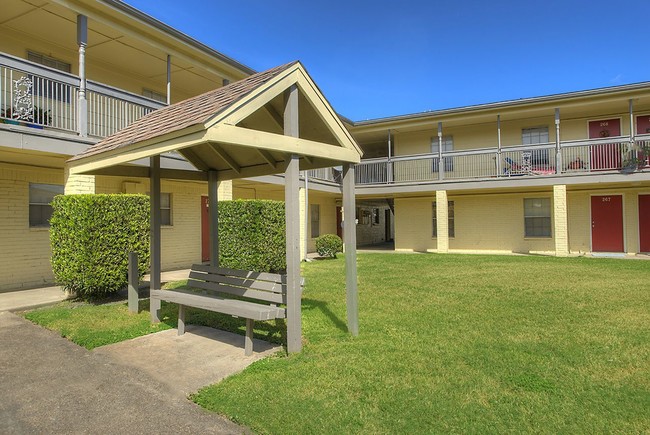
<point>383,58</point>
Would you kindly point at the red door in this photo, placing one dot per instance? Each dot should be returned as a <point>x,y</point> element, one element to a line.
<point>644,223</point>
<point>607,223</point>
<point>606,156</point>
<point>205,229</point>
<point>339,222</point>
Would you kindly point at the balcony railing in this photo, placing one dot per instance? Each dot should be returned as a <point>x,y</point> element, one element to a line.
<point>41,97</point>
<point>574,157</point>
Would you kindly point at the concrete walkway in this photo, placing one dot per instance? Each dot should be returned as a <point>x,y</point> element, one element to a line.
<point>21,300</point>
<point>50,385</point>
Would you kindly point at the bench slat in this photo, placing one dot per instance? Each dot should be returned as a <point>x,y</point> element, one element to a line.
<point>266,286</point>
<point>277,298</point>
<point>233,307</point>
<point>260,276</point>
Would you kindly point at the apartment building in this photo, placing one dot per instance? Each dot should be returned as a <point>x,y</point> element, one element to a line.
<point>559,175</point>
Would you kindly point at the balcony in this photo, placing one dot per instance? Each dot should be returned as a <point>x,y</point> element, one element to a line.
<point>43,98</point>
<point>581,157</point>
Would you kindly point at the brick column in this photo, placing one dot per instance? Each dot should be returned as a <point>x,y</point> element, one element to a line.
<point>224,190</point>
<point>560,221</point>
<point>442,218</point>
<point>75,184</point>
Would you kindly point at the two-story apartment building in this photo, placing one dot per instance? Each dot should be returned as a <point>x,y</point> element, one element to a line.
<point>558,175</point>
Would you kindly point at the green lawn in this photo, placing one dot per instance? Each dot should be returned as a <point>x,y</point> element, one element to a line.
<point>452,343</point>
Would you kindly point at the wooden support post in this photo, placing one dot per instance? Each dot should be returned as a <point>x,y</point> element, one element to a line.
<point>248,344</point>
<point>154,195</point>
<point>292,217</point>
<point>134,281</point>
<point>181,319</point>
<point>350,244</point>
<point>213,207</point>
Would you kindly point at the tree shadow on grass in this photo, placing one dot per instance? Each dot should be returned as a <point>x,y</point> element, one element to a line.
<point>311,304</point>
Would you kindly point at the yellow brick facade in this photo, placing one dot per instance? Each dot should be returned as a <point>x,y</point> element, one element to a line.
<point>25,252</point>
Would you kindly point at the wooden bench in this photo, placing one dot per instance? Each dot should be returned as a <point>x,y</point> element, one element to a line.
<point>262,294</point>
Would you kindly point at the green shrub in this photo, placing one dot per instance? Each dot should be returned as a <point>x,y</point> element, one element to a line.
<point>252,235</point>
<point>328,245</point>
<point>91,236</point>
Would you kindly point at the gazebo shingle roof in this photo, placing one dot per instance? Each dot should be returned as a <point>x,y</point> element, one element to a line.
<point>193,111</point>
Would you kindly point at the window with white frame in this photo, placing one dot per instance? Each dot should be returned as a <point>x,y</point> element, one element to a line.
<point>153,95</point>
<point>314,213</point>
<point>450,219</point>
<point>40,199</point>
<point>447,145</point>
<point>536,135</point>
<point>537,217</point>
<point>48,88</point>
<point>166,209</point>
<point>43,59</point>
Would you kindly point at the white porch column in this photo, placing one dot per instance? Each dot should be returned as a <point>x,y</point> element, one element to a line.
<point>499,163</point>
<point>169,79</point>
<point>442,220</point>
<point>155,258</point>
<point>558,149</point>
<point>213,208</point>
<point>560,221</point>
<point>82,42</point>
<point>350,246</point>
<point>292,217</point>
<point>441,163</point>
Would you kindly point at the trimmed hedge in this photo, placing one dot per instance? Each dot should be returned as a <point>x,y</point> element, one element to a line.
<point>328,245</point>
<point>91,236</point>
<point>252,235</point>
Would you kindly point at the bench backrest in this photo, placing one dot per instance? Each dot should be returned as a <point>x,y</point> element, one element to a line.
<point>263,286</point>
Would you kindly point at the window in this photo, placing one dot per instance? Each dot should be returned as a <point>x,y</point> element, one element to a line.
<point>447,145</point>
<point>166,209</point>
<point>46,60</point>
<point>40,197</point>
<point>48,88</point>
<point>537,217</point>
<point>153,95</point>
<point>450,219</point>
<point>314,211</point>
<point>375,216</point>
<point>530,136</point>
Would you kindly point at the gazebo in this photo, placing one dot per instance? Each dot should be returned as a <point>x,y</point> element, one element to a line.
<point>272,122</point>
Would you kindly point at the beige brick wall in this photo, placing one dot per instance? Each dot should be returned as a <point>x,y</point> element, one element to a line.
<point>483,223</point>
<point>24,251</point>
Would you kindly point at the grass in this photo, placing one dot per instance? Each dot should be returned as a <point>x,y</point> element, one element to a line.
<point>97,324</point>
<point>451,343</point>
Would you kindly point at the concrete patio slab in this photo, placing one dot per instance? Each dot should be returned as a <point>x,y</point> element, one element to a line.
<point>185,363</point>
<point>50,385</point>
